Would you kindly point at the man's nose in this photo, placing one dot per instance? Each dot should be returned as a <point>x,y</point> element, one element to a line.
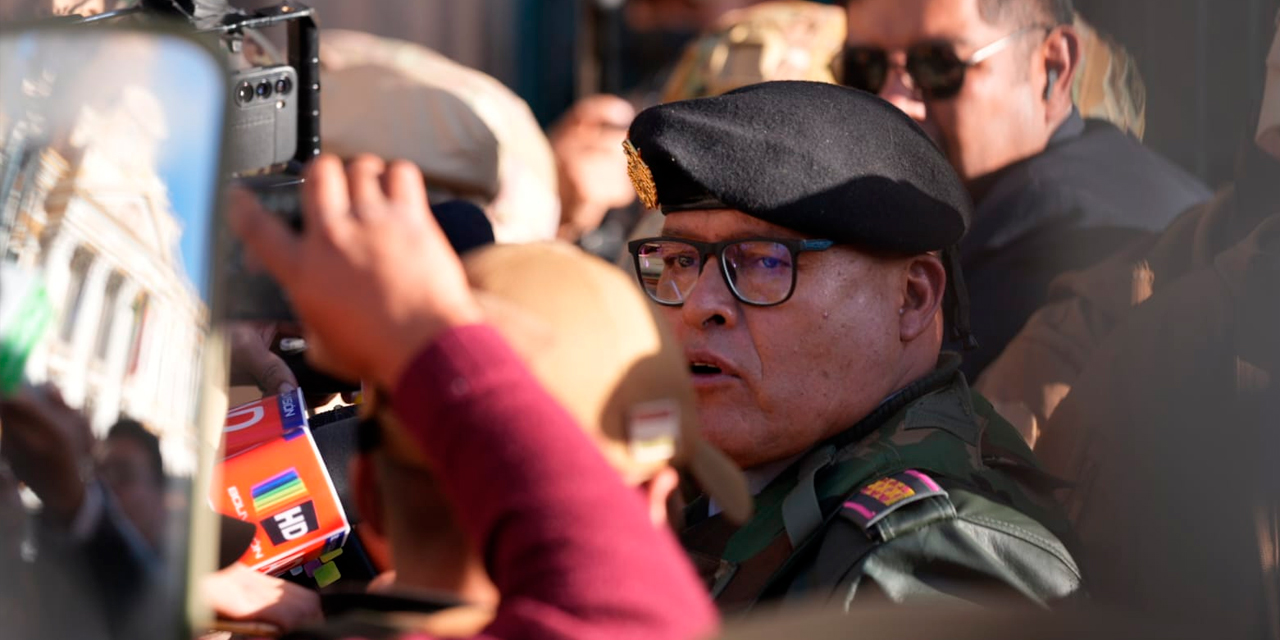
<point>900,91</point>
<point>710,302</point>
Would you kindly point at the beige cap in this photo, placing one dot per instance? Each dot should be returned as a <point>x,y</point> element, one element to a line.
<point>468,133</point>
<point>598,346</point>
<point>790,40</point>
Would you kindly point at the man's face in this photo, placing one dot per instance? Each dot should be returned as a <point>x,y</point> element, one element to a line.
<point>999,116</point>
<point>785,377</point>
<point>127,471</point>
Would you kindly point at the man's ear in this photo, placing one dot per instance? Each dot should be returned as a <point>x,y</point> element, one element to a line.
<point>1062,57</point>
<point>925,286</point>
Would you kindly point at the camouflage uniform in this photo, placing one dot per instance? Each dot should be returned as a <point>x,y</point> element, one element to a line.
<point>932,497</point>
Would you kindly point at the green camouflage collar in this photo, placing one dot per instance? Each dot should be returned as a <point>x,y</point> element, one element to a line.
<point>868,449</point>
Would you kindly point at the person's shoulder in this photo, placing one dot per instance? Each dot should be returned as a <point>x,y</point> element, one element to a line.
<point>979,516</point>
<point>1106,135</point>
<point>1102,154</point>
<point>940,430</point>
<point>941,424</point>
<point>910,525</point>
<point>1102,177</point>
<point>952,442</point>
<point>892,506</point>
<point>952,430</point>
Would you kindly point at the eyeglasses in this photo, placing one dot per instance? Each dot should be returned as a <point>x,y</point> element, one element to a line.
<point>935,68</point>
<point>759,271</point>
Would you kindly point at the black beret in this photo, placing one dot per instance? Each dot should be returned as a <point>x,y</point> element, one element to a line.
<point>824,160</point>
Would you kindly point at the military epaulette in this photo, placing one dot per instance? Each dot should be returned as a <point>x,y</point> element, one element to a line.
<point>875,501</point>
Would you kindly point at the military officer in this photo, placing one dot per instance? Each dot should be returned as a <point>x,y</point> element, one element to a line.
<point>806,262</point>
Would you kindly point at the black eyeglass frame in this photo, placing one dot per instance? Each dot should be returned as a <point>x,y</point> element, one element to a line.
<point>716,249</point>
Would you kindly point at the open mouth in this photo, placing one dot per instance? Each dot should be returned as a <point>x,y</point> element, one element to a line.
<point>704,369</point>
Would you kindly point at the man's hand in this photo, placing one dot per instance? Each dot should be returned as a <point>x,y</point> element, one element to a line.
<point>592,167</point>
<point>372,277</point>
<point>253,362</point>
<point>242,594</point>
<point>49,446</point>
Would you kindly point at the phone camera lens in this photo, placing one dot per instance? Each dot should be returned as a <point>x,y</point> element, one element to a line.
<point>264,89</point>
<point>244,93</point>
<point>284,86</point>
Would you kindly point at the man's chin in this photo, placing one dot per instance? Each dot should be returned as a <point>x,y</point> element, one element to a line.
<point>738,436</point>
<point>722,426</point>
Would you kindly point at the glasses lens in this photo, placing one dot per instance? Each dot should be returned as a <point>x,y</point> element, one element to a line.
<point>936,70</point>
<point>668,269</point>
<point>864,68</point>
<point>761,272</point>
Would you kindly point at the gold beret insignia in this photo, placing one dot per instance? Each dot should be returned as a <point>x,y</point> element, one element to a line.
<point>641,176</point>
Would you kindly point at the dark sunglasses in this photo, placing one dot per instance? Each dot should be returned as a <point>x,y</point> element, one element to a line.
<point>935,68</point>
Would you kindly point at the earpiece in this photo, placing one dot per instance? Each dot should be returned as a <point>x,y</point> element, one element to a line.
<point>1048,86</point>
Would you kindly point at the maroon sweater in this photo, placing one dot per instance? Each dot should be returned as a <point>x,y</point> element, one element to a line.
<point>569,546</point>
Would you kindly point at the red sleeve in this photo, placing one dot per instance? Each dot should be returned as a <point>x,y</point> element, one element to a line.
<point>569,546</point>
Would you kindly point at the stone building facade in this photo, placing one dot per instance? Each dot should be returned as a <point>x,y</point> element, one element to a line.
<point>94,218</point>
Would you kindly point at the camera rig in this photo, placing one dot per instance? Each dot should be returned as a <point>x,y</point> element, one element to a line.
<point>274,125</point>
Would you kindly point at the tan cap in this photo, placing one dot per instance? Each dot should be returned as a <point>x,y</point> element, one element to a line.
<point>790,40</point>
<point>468,133</point>
<point>597,345</point>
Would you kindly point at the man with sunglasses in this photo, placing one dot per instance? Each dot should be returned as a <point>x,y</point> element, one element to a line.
<point>990,81</point>
<point>804,260</point>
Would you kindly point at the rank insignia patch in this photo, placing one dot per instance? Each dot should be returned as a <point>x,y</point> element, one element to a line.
<point>882,497</point>
<point>641,176</point>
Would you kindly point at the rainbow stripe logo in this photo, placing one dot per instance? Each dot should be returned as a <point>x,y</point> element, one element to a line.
<point>278,491</point>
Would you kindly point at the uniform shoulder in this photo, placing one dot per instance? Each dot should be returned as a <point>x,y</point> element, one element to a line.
<point>897,505</point>
<point>880,508</point>
<point>954,537</point>
<point>982,514</point>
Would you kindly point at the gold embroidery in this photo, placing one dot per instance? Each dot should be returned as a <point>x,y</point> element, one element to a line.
<point>641,176</point>
<point>888,491</point>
